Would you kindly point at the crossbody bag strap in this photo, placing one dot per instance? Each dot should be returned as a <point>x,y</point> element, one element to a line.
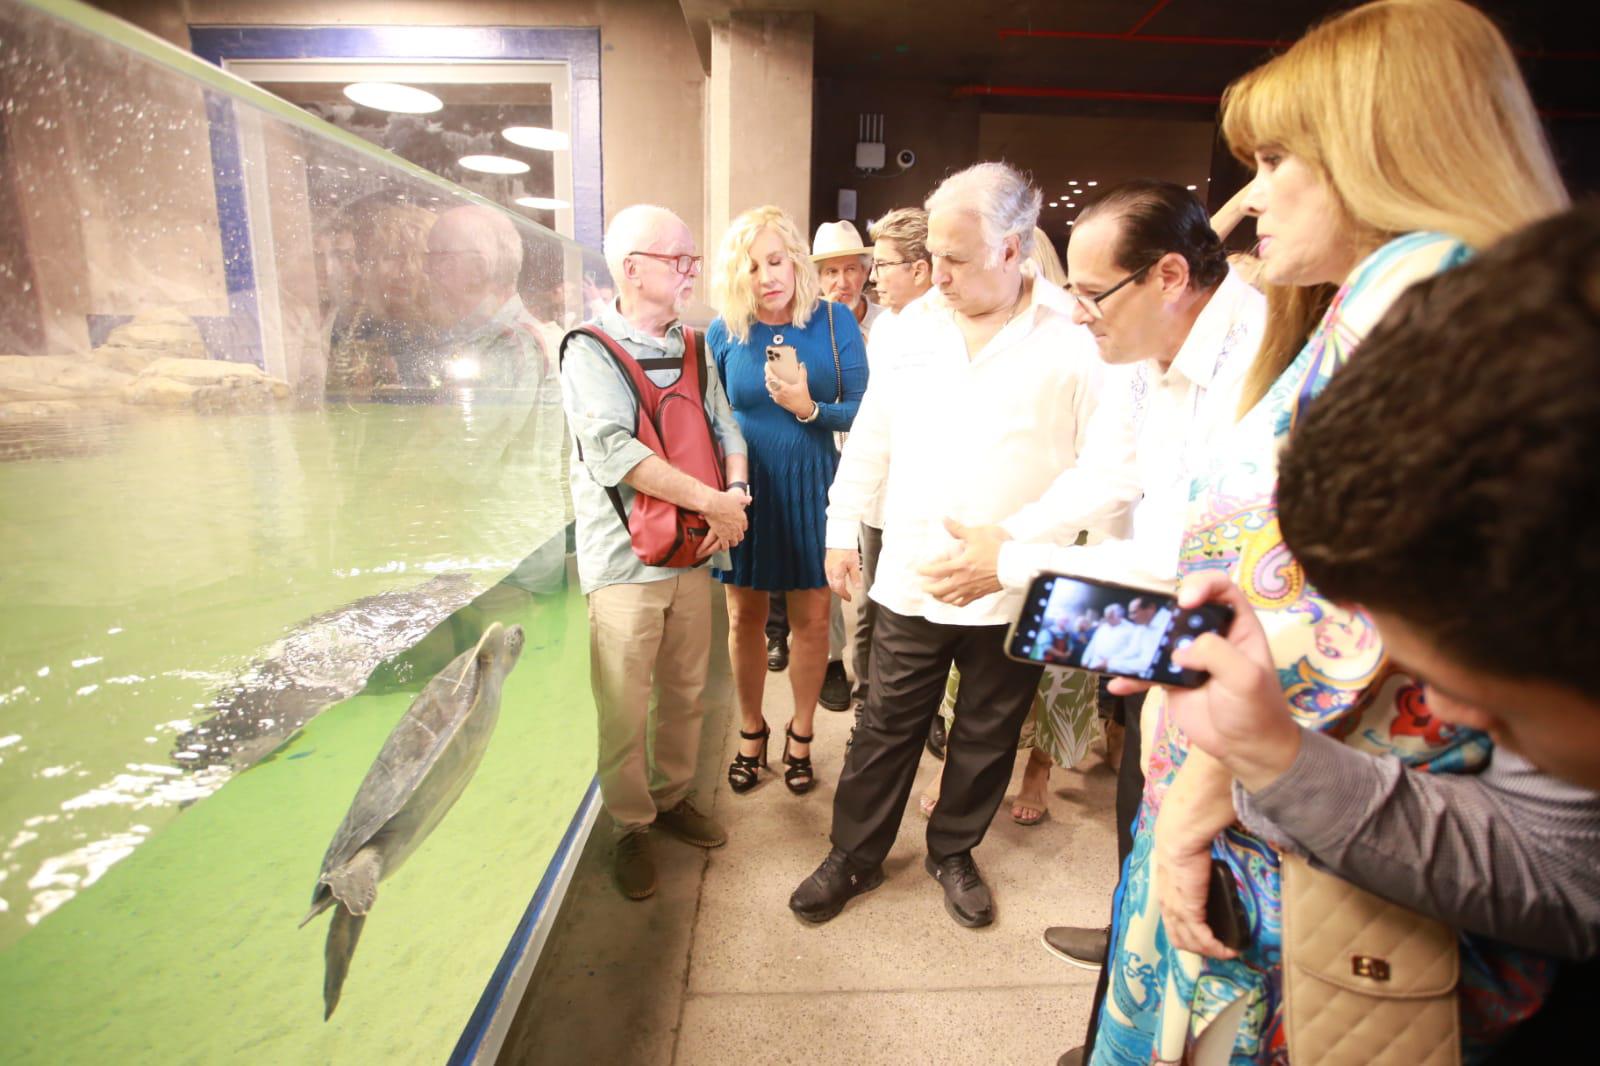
<point>620,357</point>
<point>838,371</point>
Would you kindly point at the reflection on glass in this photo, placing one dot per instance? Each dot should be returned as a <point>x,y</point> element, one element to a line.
<point>536,137</point>
<point>280,438</point>
<point>493,164</point>
<point>386,96</point>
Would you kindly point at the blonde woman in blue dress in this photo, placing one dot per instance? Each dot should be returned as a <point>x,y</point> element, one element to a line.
<point>769,298</point>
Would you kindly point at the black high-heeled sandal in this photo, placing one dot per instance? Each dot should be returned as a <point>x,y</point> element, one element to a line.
<point>744,773</point>
<point>798,777</point>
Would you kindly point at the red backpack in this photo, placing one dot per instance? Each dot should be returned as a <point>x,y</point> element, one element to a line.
<point>671,422</point>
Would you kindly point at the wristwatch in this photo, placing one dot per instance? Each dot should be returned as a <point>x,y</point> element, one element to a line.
<point>816,409</point>
<point>743,486</point>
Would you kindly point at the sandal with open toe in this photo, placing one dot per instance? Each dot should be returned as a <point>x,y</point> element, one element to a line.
<point>799,777</point>
<point>744,773</point>
<point>1029,809</point>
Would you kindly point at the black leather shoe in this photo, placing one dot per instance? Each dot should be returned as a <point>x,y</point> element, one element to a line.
<point>936,737</point>
<point>777,654</point>
<point>966,897</point>
<point>836,882</point>
<point>1085,948</point>
<point>835,688</point>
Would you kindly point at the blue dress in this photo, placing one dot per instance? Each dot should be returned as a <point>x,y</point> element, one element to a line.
<point>792,463</point>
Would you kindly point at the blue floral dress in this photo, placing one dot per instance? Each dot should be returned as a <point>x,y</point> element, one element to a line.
<point>1338,680</point>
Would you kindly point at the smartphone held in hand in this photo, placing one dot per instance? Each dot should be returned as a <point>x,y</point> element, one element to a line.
<point>1118,630</point>
<point>1225,912</point>
<point>783,362</point>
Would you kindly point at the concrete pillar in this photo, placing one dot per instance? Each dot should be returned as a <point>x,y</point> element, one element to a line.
<point>759,126</point>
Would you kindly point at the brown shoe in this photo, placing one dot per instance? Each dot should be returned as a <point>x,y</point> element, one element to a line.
<point>692,827</point>
<point>635,868</point>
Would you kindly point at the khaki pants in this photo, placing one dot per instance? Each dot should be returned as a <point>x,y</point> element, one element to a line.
<point>649,652</point>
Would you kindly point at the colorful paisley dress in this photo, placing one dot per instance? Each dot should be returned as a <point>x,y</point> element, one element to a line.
<point>1338,680</point>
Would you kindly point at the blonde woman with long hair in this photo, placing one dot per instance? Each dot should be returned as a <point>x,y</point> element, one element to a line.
<point>1389,143</point>
<point>795,369</point>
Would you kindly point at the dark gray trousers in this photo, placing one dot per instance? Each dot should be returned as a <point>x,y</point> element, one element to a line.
<point>910,664</point>
<point>866,610</point>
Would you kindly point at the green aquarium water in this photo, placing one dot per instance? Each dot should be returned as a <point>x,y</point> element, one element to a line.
<point>152,878</point>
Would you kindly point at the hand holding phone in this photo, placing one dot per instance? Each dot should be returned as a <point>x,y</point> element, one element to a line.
<point>1225,912</point>
<point>783,363</point>
<point>1119,630</point>
<point>1241,718</point>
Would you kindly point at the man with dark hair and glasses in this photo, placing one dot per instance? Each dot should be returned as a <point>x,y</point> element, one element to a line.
<point>1151,281</point>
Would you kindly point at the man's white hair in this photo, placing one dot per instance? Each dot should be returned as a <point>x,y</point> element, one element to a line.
<point>634,229</point>
<point>1116,609</point>
<point>490,232</point>
<point>1005,202</point>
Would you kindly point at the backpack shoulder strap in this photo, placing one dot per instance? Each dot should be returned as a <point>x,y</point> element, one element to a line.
<point>631,372</point>
<point>694,362</point>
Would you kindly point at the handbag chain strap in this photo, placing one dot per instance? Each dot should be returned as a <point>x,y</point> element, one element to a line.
<point>838,372</point>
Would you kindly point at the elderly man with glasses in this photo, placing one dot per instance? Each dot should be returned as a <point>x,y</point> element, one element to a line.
<point>977,405</point>
<point>1151,281</point>
<point>649,626</point>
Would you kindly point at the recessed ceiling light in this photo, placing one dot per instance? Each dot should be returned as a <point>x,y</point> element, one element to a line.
<point>1072,205</point>
<point>387,96</point>
<point>1093,183</point>
<point>1072,183</point>
<point>493,164</point>
<point>1191,188</point>
<point>537,137</point>
<point>1054,204</point>
<point>543,203</point>
<point>1069,221</point>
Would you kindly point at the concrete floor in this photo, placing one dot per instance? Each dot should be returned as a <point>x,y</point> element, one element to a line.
<point>714,968</point>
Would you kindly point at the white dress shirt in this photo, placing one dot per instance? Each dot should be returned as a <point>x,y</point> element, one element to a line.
<point>880,348</point>
<point>973,439</point>
<point>1112,643</point>
<point>1140,655</point>
<point>1146,440</point>
<point>870,318</point>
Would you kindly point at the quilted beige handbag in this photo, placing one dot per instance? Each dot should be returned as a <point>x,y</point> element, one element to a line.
<point>1365,981</point>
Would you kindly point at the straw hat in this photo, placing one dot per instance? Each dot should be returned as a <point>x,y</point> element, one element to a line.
<point>835,239</point>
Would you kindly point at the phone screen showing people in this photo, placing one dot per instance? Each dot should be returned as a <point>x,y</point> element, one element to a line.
<point>1110,629</point>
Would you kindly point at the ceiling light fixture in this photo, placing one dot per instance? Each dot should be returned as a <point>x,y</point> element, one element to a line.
<point>1072,183</point>
<point>537,137</point>
<point>1092,184</point>
<point>494,164</point>
<point>1054,204</point>
<point>543,203</point>
<point>1191,188</point>
<point>387,96</point>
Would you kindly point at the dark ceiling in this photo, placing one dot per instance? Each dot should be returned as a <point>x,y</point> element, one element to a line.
<point>1142,55</point>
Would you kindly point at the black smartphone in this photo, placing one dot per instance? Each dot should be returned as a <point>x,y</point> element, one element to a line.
<point>1224,911</point>
<point>1117,630</point>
